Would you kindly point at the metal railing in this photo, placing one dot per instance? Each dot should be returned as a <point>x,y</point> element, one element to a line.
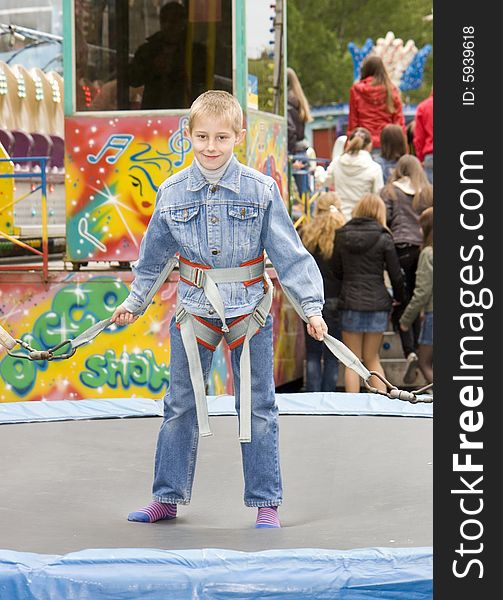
<point>307,195</point>
<point>44,253</point>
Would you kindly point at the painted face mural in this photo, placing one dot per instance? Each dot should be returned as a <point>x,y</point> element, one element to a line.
<point>114,168</point>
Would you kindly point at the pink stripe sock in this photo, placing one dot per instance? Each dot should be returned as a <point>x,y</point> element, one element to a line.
<point>155,511</point>
<point>267,517</point>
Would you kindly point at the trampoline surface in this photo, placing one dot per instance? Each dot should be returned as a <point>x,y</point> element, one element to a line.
<point>349,482</point>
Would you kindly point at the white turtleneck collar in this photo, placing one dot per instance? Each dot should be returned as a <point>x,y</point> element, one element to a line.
<point>213,175</point>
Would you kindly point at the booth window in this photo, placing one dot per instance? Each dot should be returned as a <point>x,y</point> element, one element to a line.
<point>150,54</point>
<point>264,41</point>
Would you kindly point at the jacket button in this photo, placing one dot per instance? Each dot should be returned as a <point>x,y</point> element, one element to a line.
<point>214,219</point>
<point>213,189</point>
<point>214,251</point>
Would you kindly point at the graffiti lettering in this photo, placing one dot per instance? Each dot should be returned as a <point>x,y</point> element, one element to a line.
<point>74,309</point>
<point>129,369</point>
<point>19,373</point>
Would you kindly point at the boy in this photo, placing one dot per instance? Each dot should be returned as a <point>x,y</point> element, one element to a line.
<point>221,215</point>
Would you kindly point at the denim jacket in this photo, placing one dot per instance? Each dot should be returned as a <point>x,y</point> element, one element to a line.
<point>224,225</point>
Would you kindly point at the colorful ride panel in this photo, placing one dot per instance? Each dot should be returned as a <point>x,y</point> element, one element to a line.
<point>123,361</point>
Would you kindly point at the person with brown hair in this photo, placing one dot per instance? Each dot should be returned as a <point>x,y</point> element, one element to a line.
<point>374,101</point>
<point>363,250</point>
<point>354,172</point>
<point>318,236</point>
<point>299,114</point>
<point>393,147</point>
<point>422,299</point>
<point>406,195</point>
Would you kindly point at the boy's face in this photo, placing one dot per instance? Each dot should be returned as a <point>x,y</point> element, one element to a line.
<point>213,141</point>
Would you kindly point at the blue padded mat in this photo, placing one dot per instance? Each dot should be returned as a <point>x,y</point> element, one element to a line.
<point>313,403</point>
<point>216,574</point>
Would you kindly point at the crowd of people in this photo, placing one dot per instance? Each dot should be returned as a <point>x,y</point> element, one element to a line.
<point>371,232</point>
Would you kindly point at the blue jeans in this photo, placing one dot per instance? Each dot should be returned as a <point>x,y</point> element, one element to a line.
<point>428,166</point>
<point>176,453</point>
<point>426,335</point>
<point>322,367</point>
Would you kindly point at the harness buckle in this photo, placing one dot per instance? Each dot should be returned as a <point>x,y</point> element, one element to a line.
<point>180,314</point>
<point>199,276</point>
<point>259,316</point>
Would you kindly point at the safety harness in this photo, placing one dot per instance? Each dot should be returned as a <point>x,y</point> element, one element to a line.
<point>195,329</point>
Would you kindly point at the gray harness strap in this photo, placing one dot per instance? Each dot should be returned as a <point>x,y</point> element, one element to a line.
<point>193,330</point>
<point>207,279</point>
<point>336,347</point>
<point>196,372</point>
<point>255,321</point>
<point>89,334</point>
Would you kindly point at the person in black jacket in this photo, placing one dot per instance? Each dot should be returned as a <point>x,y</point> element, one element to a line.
<point>363,250</point>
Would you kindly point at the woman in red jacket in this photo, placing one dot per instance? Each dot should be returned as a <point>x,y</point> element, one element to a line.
<point>374,101</point>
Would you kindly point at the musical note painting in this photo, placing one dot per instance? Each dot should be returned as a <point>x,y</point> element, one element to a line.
<point>114,169</point>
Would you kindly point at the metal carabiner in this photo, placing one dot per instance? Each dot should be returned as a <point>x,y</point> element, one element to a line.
<point>35,354</point>
<point>395,393</point>
<point>63,356</point>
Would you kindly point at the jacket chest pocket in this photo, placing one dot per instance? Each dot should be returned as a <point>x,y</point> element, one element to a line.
<point>244,221</point>
<point>184,225</point>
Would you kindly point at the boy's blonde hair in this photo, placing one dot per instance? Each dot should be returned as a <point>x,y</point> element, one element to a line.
<point>217,104</point>
<point>371,205</point>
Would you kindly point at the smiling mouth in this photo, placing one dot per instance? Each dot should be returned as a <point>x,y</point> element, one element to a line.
<point>146,204</point>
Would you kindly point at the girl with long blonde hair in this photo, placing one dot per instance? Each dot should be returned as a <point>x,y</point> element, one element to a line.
<point>298,115</point>
<point>295,89</point>
<point>318,236</point>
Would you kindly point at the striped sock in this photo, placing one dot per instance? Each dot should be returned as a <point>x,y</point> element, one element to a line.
<point>267,517</point>
<point>155,511</point>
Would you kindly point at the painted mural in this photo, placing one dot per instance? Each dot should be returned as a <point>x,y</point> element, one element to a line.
<point>121,362</point>
<point>114,167</point>
<point>113,170</point>
<point>266,147</point>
